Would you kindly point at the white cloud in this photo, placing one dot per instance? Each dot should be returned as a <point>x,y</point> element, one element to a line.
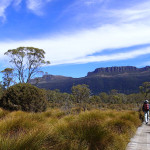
<point>115,56</point>
<point>75,48</point>
<point>92,2</point>
<point>37,5</point>
<point>3,5</point>
<point>100,12</point>
<point>34,5</point>
<point>136,13</point>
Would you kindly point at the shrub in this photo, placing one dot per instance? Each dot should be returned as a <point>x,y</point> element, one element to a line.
<point>25,97</point>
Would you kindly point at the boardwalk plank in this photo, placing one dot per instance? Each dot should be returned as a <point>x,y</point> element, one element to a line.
<point>141,140</point>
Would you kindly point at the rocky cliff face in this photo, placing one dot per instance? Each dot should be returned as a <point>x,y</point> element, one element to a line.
<point>118,70</point>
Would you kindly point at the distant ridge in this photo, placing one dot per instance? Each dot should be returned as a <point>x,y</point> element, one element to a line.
<point>125,79</point>
<point>118,70</point>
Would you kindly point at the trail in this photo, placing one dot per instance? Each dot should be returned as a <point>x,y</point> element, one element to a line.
<point>141,140</point>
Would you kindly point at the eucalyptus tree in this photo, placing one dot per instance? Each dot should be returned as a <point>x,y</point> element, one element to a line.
<point>26,62</point>
<point>81,93</point>
<point>7,77</point>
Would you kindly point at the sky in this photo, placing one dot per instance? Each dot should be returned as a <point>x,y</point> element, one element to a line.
<point>78,36</point>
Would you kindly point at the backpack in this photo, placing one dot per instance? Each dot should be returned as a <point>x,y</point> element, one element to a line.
<point>146,107</point>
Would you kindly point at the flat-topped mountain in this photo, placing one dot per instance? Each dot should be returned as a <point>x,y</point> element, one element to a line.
<point>125,79</point>
<point>124,70</point>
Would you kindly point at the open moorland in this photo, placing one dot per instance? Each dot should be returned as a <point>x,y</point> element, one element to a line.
<point>55,130</point>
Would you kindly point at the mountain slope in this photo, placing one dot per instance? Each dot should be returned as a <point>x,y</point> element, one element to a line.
<point>126,79</point>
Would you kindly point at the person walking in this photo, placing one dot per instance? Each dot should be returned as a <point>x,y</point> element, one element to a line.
<point>146,111</point>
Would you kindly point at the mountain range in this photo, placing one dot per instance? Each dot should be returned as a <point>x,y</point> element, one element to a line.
<point>125,79</point>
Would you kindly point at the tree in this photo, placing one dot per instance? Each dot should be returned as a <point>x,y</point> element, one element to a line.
<point>145,89</point>
<point>95,99</point>
<point>26,61</point>
<point>7,77</point>
<point>115,99</point>
<point>81,93</point>
<point>104,97</point>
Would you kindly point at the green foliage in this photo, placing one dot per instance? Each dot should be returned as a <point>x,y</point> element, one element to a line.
<point>135,98</point>
<point>56,98</point>
<point>24,96</point>
<point>7,77</point>
<point>104,97</point>
<point>81,93</point>
<point>95,99</point>
<point>26,61</point>
<point>81,100</point>
<point>145,89</point>
<point>53,96</point>
<point>115,99</point>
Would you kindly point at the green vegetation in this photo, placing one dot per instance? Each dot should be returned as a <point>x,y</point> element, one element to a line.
<point>81,93</point>
<point>54,130</point>
<point>81,99</point>
<point>7,77</point>
<point>145,89</point>
<point>25,97</point>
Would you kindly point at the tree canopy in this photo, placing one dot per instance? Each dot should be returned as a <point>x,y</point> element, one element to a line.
<point>26,62</point>
<point>145,89</point>
<point>81,92</point>
<point>7,77</point>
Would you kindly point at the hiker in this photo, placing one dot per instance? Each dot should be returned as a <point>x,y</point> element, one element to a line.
<point>146,111</point>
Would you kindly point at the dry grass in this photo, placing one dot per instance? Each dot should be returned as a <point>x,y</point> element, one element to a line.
<point>53,130</point>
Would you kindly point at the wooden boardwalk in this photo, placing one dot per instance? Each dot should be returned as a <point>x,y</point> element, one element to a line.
<point>141,140</point>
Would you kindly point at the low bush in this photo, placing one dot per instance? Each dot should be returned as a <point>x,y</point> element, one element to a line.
<point>25,97</point>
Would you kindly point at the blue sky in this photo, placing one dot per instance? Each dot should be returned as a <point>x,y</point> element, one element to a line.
<point>78,36</point>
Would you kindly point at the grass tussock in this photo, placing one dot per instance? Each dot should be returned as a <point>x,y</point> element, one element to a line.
<point>3,113</point>
<point>53,130</point>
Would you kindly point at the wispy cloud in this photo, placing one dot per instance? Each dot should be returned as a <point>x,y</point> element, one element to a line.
<point>112,57</point>
<point>37,5</point>
<point>76,48</point>
<point>136,13</point>
<point>92,2</point>
<point>3,5</point>
<point>94,13</point>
